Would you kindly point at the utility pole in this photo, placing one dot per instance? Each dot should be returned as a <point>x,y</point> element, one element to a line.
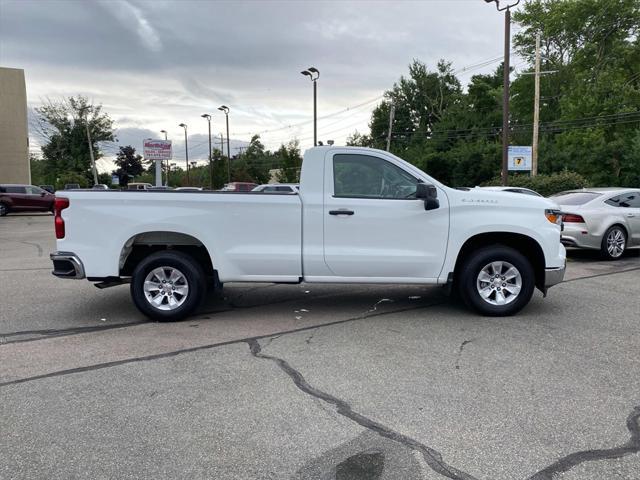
<point>208,117</point>
<point>186,151</point>
<point>505,98</point>
<point>505,89</point>
<point>93,161</point>
<point>392,113</point>
<point>168,168</point>
<point>536,112</point>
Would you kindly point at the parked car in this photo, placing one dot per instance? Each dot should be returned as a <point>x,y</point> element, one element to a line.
<point>277,188</point>
<point>138,186</point>
<point>72,186</point>
<point>239,187</point>
<point>24,198</point>
<point>163,187</point>
<point>48,188</point>
<point>366,216</point>
<point>189,189</point>
<point>100,186</point>
<point>525,191</point>
<point>605,219</point>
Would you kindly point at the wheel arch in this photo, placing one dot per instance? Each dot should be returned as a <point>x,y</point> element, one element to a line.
<point>526,245</point>
<point>143,244</point>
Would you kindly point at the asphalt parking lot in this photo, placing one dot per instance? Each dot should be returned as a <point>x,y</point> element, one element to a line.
<point>316,382</point>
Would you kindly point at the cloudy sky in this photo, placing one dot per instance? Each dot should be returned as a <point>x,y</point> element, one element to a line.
<point>155,64</point>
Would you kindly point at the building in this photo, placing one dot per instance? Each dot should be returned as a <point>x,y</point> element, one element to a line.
<point>14,133</point>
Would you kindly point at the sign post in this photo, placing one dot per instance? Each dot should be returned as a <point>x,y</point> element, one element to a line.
<point>158,151</point>
<point>519,158</point>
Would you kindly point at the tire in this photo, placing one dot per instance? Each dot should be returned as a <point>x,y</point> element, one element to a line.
<point>614,243</point>
<point>175,298</point>
<point>3,209</point>
<point>479,272</point>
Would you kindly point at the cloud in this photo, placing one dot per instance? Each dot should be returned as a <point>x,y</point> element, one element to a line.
<point>131,18</point>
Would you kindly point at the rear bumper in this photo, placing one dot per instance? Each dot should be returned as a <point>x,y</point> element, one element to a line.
<point>553,276</point>
<point>67,265</point>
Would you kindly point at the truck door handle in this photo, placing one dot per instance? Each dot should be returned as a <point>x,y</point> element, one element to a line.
<point>341,212</point>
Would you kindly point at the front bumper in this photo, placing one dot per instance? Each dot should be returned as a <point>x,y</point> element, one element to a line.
<point>553,276</point>
<point>67,265</point>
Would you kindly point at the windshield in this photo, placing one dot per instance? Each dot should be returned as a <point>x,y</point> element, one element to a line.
<point>576,198</point>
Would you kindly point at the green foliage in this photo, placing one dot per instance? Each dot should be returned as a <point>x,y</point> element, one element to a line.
<point>129,165</point>
<point>545,185</point>
<point>71,177</point>
<point>290,161</point>
<point>38,171</point>
<point>589,108</point>
<point>64,126</point>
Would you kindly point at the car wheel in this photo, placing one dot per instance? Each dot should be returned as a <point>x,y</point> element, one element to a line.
<point>496,281</point>
<point>168,286</point>
<point>3,209</point>
<point>614,243</point>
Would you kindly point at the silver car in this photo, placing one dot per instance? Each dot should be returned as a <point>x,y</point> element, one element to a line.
<point>605,219</point>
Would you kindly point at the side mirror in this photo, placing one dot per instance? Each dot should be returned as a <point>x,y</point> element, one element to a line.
<point>42,194</point>
<point>429,193</point>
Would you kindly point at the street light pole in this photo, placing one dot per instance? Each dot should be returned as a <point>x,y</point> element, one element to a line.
<point>186,151</point>
<point>167,167</point>
<point>313,74</point>
<point>505,89</point>
<point>208,117</point>
<point>225,109</point>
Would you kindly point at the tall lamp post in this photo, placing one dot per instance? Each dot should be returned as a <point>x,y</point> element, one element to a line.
<point>186,150</point>
<point>208,117</point>
<point>505,88</point>
<point>225,109</point>
<point>313,74</point>
<point>167,168</point>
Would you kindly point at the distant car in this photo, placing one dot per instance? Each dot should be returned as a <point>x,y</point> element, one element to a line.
<point>100,186</point>
<point>24,198</point>
<point>277,188</point>
<point>525,191</point>
<point>139,186</point>
<point>189,189</point>
<point>72,186</point>
<point>239,187</point>
<point>160,188</point>
<point>48,188</point>
<point>605,219</point>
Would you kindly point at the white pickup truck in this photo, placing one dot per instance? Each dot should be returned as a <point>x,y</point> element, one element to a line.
<point>361,216</point>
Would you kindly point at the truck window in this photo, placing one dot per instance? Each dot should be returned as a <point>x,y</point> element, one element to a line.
<point>366,176</point>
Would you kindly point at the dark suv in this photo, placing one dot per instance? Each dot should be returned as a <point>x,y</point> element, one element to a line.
<point>24,198</point>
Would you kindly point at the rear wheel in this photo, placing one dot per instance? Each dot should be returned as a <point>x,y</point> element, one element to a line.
<point>3,209</point>
<point>614,243</point>
<point>168,286</point>
<point>496,281</point>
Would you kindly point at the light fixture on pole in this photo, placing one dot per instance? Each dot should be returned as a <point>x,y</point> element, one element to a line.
<point>186,150</point>
<point>225,109</point>
<point>208,117</point>
<point>167,168</point>
<point>313,74</point>
<point>505,88</point>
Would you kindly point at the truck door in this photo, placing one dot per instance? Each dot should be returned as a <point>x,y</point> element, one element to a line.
<point>374,226</point>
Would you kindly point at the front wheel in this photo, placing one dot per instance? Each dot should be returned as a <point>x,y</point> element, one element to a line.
<point>168,286</point>
<point>3,209</point>
<point>496,281</point>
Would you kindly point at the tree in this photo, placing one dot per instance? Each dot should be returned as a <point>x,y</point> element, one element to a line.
<point>63,126</point>
<point>129,164</point>
<point>290,161</point>
<point>257,161</point>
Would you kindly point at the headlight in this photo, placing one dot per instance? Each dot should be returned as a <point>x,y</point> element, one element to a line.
<point>554,216</point>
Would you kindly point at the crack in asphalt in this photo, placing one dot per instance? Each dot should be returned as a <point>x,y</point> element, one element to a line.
<point>566,463</point>
<point>62,332</point>
<point>173,353</point>
<point>431,456</point>
<point>462,345</point>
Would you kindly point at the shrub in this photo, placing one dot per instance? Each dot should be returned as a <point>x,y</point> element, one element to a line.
<point>545,184</point>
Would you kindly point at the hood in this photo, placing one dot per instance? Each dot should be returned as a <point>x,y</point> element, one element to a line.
<point>480,196</point>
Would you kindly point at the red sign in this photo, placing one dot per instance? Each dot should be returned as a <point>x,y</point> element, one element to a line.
<point>157,149</point>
